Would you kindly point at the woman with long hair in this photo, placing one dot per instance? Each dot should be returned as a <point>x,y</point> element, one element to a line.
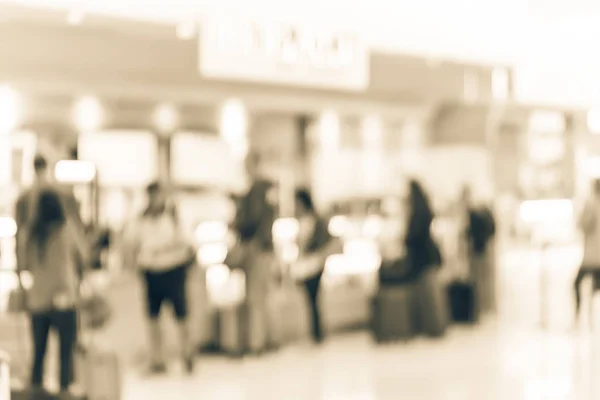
<point>423,254</point>
<point>421,249</point>
<point>315,244</point>
<point>54,254</point>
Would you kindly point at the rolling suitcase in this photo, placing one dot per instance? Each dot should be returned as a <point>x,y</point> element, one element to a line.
<point>432,304</point>
<point>461,297</point>
<point>392,314</point>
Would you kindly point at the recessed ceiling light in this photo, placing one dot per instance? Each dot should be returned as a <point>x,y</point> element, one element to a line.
<point>75,17</point>
<point>186,30</point>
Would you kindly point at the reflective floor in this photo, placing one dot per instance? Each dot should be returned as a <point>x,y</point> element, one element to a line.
<point>489,362</point>
<point>509,357</point>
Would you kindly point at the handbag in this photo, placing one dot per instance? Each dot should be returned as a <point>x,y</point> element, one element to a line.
<point>17,298</point>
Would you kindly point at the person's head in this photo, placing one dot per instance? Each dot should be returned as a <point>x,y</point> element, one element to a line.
<point>418,200</point>
<point>40,167</point>
<point>49,216</point>
<point>157,197</point>
<point>304,203</point>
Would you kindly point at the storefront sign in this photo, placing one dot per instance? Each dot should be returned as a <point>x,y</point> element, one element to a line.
<point>242,49</point>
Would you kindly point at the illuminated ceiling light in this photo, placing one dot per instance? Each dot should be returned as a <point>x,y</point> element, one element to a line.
<point>186,30</point>
<point>593,121</point>
<point>75,17</point>
<point>10,109</point>
<point>166,118</point>
<point>88,114</point>
<point>234,126</point>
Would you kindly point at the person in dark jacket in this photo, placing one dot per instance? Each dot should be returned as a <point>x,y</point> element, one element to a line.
<point>253,224</point>
<point>315,244</point>
<point>421,250</point>
<point>481,229</point>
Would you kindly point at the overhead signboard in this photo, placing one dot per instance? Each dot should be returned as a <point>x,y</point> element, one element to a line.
<point>245,49</point>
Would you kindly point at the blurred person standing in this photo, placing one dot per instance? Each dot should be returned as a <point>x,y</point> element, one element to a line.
<point>421,250</point>
<point>53,252</point>
<point>315,244</point>
<point>479,232</point>
<point>155,245</point>
<point>253,224</point>
<point>26,202</point>
<point>589,223</point>
<point>424,258</point>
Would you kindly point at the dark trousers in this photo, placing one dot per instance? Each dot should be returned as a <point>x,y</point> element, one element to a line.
<point>65,323</point>
<point>312,287</point>
<point>594,271</point>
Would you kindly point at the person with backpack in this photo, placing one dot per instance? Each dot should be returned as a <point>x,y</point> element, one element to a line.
<point>253,224</point>
<point>26,203</point>
<point>156,245</point>
<point>53,252</point>
<point>480,230</point>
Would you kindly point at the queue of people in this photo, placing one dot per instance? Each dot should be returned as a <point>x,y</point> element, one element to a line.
<point>52,245</point>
